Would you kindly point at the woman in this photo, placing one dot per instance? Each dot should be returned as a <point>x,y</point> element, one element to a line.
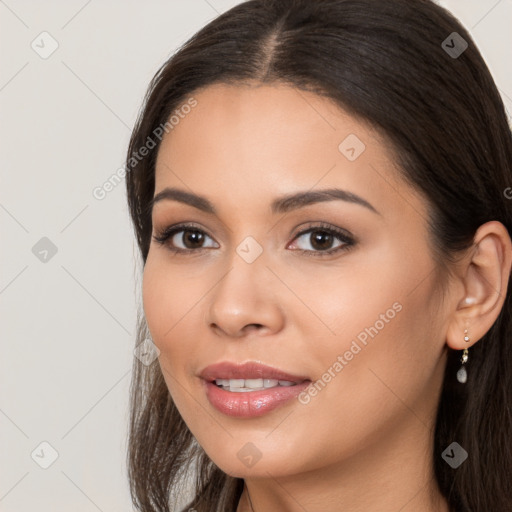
<point>322,215</point>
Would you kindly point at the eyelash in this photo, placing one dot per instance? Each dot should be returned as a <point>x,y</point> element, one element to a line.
<point>348,242</point>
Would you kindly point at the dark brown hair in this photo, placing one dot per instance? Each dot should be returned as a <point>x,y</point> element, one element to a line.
<point>382,62</point>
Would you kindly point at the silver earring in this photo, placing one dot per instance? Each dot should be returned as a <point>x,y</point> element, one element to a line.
<point>462,374</point>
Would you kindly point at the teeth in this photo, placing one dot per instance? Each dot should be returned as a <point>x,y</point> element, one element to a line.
<point>243,385</point>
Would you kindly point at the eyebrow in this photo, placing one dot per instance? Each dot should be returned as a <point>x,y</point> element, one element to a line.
<point>282,204</point>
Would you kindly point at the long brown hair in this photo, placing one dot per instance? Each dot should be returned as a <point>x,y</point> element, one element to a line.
<point>385,62</point>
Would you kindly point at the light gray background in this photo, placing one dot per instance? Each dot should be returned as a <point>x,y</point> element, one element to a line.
<point>68,323</point>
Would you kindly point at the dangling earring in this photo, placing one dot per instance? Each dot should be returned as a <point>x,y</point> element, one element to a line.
<point>462,374</point>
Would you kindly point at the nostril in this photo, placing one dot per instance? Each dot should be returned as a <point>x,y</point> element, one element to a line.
<point>252,327</point>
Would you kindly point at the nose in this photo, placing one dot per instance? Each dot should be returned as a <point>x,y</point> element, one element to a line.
<point>245,301</point>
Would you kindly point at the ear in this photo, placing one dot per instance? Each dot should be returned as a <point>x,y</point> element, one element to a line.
<point>484,275</point>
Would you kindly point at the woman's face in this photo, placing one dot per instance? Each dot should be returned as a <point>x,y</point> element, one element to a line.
<point>358,315</point>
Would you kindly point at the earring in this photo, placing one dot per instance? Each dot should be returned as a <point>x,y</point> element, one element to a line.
<point>462,374</point>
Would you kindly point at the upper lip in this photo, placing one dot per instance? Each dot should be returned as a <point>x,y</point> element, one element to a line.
<point>247,370</point>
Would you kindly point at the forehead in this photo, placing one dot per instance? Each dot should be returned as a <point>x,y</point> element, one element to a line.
<point>263,122</point>
<point>241,143</point>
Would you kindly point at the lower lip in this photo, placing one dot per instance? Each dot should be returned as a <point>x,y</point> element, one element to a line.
<point>250,404</point>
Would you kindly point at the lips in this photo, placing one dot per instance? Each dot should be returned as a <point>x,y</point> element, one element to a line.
<point>248,370</point>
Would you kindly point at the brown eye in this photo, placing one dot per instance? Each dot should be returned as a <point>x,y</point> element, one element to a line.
<point>183,238</point>
<point>321,240</point>
<point>318,240</point>
<point>191,239</point>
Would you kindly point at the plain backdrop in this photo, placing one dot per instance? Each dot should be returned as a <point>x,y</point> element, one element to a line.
<point>69,274</point>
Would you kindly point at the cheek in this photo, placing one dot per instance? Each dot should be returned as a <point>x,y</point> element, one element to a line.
<point>154,298</point>
<point>166,299</point>
<point>389,359</point>
<point>166,303</point>
<point>171,300</point>
<point>385,346</point>
<point>366,389</point>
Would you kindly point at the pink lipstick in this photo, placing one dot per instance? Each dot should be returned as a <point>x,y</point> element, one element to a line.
<point>251,389</point>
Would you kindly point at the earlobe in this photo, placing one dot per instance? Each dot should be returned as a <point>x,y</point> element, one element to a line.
<point>485,277</point>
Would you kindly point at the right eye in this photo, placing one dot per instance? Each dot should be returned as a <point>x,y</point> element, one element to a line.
<point>188,235</point>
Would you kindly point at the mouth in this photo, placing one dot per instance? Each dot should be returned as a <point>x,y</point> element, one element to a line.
<point>251,389</point>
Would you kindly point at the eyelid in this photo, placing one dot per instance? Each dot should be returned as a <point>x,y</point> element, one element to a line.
<point>322,226</point>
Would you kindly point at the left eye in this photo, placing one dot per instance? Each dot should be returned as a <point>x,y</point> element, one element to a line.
<point>322,239</point>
